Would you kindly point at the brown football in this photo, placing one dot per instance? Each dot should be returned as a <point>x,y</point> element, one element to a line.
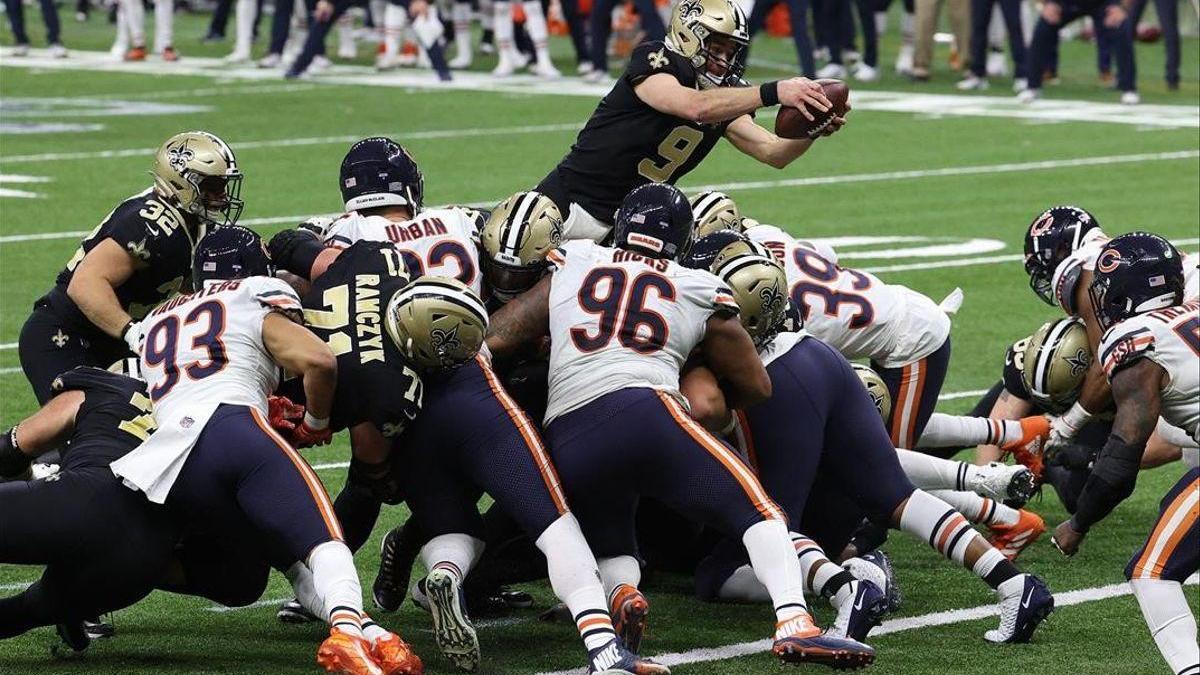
<point>791,123</point>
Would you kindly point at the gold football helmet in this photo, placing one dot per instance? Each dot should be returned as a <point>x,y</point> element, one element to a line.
<point>759,286</point>
<point>438,322</point>
<point>876,389</point>
<point>516,238</point>
<point>1055,361</point>
<point>715,211</point>
<point>713,35</point>
<point>198,172</point>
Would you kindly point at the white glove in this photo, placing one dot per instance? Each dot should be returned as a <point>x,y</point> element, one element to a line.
<point>132,335</point>
<point>318,225</point>
<point>1065,428</point>
<point>428,28</point>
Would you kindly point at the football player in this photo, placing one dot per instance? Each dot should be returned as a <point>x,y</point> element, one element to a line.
<point>210,360</point>
<point>905,335</point>
<point>104,546</point>
<point>1150,351</point>
<point>136,258</point>
<point>820,425</point>
<point>624,320</point>
<point>1061,248</point>
<point>676,99</point>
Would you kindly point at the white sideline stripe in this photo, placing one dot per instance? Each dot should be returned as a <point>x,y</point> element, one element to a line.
<point>962,394</point>
<point>1065,599</point>
<point>10,370</point>
<point>16,587</point>
<point>314,140</point>
<point>757,185</point>
<point>261,603</point>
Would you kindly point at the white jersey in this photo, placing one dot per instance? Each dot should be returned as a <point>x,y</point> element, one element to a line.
<point>619,320</point>
<point>438,242</point>
<point>202,350</point>
<point>1171,338</point>
<point>855,312</point>
<point>1065,280</point>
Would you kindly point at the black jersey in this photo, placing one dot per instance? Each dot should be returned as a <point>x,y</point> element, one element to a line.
<point>345,307</point>
<point>1014,369</point>
<point>113,419</point>
<point>154,232</point>
<point>627,143</point>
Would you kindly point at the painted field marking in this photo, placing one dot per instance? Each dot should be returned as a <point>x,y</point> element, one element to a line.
<point>953,616</point>
<point>1167,116</point>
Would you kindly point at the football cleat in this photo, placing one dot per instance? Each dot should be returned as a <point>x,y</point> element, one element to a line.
<point>291,611</point>
<point>98,629</point>
<point>169,54</point>
<point>451,626</point>
<point>1006,483</point>
<point>1012,539</point>
<point>74,637</point>
<point>614,659</point>
<point>395,656</point>
<point>1028,449</point>
<point>1025,601</point>
<point>798,640</point>
<point>861,612</point>
<point>629,609</point>
<point>136,54</point>
<point>395,566</point>
<point>876,567</point>
<point>346,654</point>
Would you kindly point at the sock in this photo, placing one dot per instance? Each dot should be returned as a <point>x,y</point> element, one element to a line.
<point>535,23</point>
<point>244,15</point>
<point>395,18</point>
<point>907,24</point>
<point>743,586</point>
<point>461,15</point>
<point>931,473</point>
<point>301,578</point>
<point>949,431</point>
<point>977,509</point>
<point>948,532</point>
<point>371,630</point>
<point>574,576</point>
<point>776,565</point>
<point>345,31</point>
<point>456,553</point>
<point>336,581</point>
<point>121,42</point>
<point>819,573</point>
<point>164,24</point>
<point>135,21</point>
<point>487,17</point>
<point>1167,614</point>
<point>623,569</point>
<point>503,21</point>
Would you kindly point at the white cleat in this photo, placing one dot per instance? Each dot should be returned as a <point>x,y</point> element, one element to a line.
<point>270,61</point>
<point>904,60</point>
<point>1130,98</point>
<point>584,68</point>
<point>347,51</point>
<point>1028,96</point>
<point>546,70</point>
<point>57,51</point>
<point>452,628</point>
<point>387,62</point>
<point>505,68</point>
<point>320,63</point>
<point>1003,482</point>
<point>865,73</point>
<point>598,77</point>
<point>972,83</point>
<point>19,50</point>
<point>461,62</point>
<point>1020,84</point>
<point>236,57</point>
<point>832,70</point>
<point>1025,602</point>
<point>997,65</point>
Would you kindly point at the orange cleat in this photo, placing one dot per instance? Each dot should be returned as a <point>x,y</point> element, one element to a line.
<point>136,54</point>
<point>169,54</point>
<point>1028,449</point>
<point>799,640</point>
<point>629,609</point>
<point>395,657</point>
<point>1012,539</point>
<point>347,654</point>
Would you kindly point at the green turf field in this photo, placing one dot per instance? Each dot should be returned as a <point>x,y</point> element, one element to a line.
<point>970,181</point>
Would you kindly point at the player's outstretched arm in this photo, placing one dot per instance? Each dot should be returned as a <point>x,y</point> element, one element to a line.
<point>522,320</point>
<point>730,354</point>
<point>298,351</point>
<point>44,430</point>
<point>93,286</point>
<point>665,94</point>
<point>1137,389</point>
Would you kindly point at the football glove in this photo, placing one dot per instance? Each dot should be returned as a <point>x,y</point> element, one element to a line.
<point>311,431</point>
<point>295,250</point>
<point>132,335</point>
<point>283,414</point>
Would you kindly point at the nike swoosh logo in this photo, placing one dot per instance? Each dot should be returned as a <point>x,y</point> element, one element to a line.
<point>1028,597</point>
<point>858,604</point>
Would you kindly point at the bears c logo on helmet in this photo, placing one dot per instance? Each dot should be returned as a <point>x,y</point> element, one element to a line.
<point>1042,225</point>
<point>1109,260</point>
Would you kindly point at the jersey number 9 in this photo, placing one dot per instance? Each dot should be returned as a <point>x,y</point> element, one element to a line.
<point>675,149</point>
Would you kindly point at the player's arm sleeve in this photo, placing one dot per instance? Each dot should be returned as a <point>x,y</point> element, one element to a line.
<point>275,295</point>
<point>1120,349</point>
<point>649,58</point>
<point>723,302</point>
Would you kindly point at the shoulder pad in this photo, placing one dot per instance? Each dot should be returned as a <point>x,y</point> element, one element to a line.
<point>88,378</point>
<point>652,58</point>
<point>1014,366</point>
<point>1123,345</point>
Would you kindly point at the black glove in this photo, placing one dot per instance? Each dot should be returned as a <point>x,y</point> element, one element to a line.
<point>295,251</point>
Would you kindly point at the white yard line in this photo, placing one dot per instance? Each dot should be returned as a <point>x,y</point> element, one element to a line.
<point>762,647</point>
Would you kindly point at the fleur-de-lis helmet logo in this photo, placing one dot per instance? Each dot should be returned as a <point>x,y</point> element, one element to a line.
<point>445,340</point>
<point>772,299</point>
<point>689,9</point>
<point>179,156</point>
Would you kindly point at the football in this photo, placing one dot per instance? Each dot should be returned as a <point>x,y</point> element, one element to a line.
<point>791,123</point>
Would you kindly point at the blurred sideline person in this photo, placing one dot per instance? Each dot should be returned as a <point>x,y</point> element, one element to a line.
<point>137,257</point>
<point>15,9</point>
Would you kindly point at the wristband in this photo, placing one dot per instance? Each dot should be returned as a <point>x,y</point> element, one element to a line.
<point>1076,418</point>
<point>12,461</point>
<point>769,93</point>
<point>315,423</point>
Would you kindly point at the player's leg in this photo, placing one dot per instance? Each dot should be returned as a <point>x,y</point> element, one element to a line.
<point>1120,41</point>
<point>135,23</point>
<point>535,24</point>
<point>996,481</point>
<point>1011,530</point>
<point>1168,18</point>
<point>314,44</point>
<point>578,30</point>
<point>1018,50</point>
<point>395,20</point>
<point>914,389</point>
<point>50,18</point>
<point>798,12</point>
<point>47,347</point>
<point>244,14</point>
<point>509,59</point>
<point>428,29</point>
<point>164,29</point>
<point>460,15</point>
<point>280,25</point>
<point>15,10</point>
<point>600,23</point>
<point>1156,572</point>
